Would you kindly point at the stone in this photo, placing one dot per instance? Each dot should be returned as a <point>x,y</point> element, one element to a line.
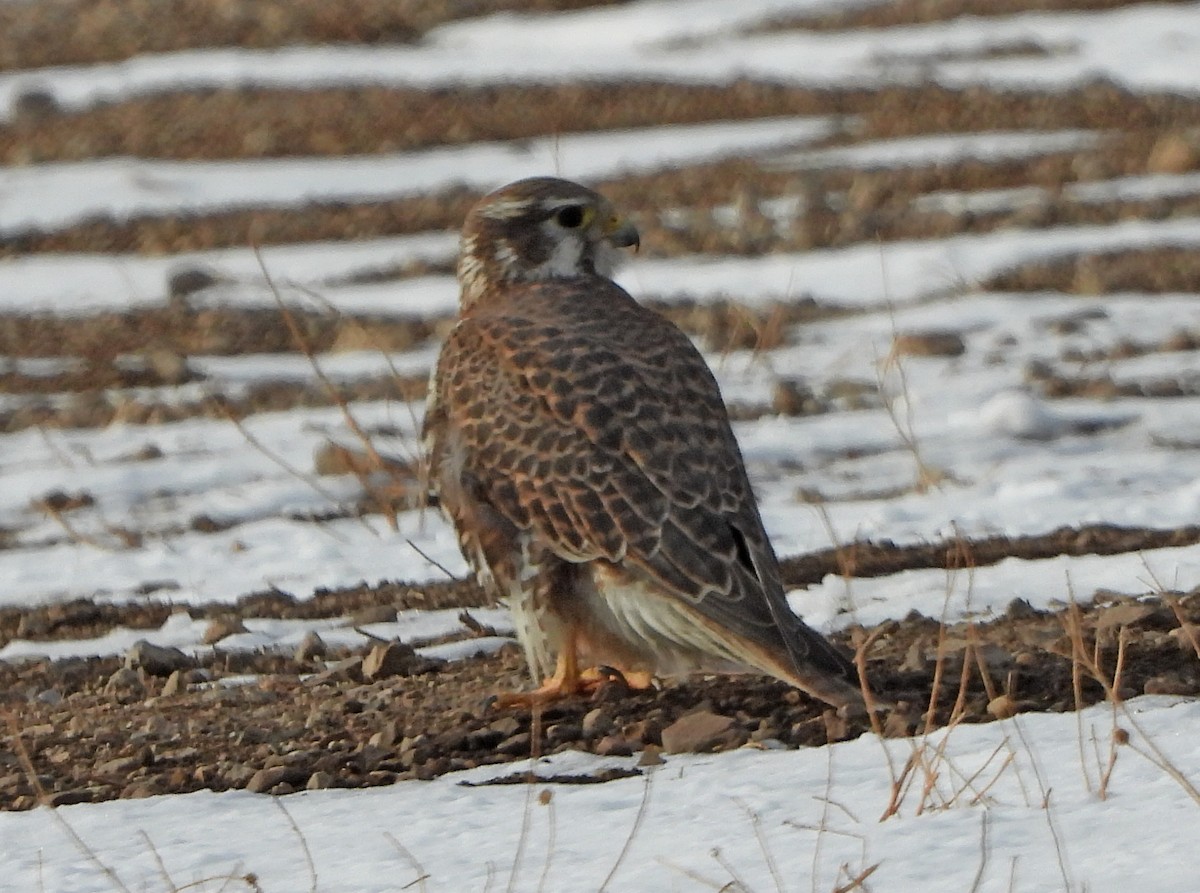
<point>613,746</point>
<point>174,684</point>
<point>697,732</point>
<point>68,798</point>
<point>125,682</point>
<point>221,627</point>
<point>651,756</point>
<point>311,646</point>
<point>319,781</point>
<point>373,614</point>
<point>515,744</point>
<point>1002,707</point>
<point>168,366</point>
<point>385,737</point>
<point>119,765</point>
<point>1169,684</point>
<point>793,397</point>
<point>184,281</point>
<point>1187,636</point>
<point>597,722</point>
<point>348,670</point>
<point>1126,614</point>
<point>265,779</point>
<point>930,344</point>
<point>389,659</point>
<point>156,660</point>
<point>1173,153</point>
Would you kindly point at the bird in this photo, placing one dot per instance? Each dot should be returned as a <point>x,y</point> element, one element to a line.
<point>579,445</point>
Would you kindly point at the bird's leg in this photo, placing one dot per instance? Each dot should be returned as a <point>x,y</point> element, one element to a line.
<point>566,681</point>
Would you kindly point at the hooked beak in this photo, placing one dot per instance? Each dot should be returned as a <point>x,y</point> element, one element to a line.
<point>622,233</point>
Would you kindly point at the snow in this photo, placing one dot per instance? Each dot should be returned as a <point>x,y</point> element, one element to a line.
<point>55,195</point>
<point>1015,804</point>
<point>1012,464</point>
<point>1148,47</point>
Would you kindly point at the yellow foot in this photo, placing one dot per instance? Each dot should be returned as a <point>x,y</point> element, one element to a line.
<point>562,685</point>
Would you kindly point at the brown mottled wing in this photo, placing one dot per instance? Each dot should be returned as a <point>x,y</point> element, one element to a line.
<point>595,424</point>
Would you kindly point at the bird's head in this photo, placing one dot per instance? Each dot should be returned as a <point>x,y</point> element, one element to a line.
<point>540,228</point>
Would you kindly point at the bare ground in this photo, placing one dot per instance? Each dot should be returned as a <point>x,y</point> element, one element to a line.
<point>86,730</point>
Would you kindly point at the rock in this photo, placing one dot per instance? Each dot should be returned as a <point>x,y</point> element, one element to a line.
<point>613,746</point>
<point>220,627</point>
<point>49,696</point>
<point>393,659</point>
<point>184,281</point>
<point>238,775</point>
<point>792,397</point>
<point>140,790</point>
<point>311,646</point>
<point>348,670</point>
<point>319,781</point>
<point>265,779</point>
<point>505,725</point>
<point>1187,636</point>
<point>174,684</point>
<point>118,766</point>
<point>385,737</point>
<point>373,614</point>
<point>35,102</point>
<point>561,732</point>
<point>1002,707</point>
<point>597,721</point>
<point>515,744</point>
<point>1126,614</point>
<point>125,682</point>
<point>369,756</point>
<point>900,721</point>
<point>1173,153</point>
<point>836,727</point>
<point>697,732</point>
<point>651,756</point>
<point>168,366</point>
<point>33,625</point>
<point>156,660</point>
<point>1169,684</point>
<point>67,798</point>
<point>930,344</point>
<point>1020,609</point>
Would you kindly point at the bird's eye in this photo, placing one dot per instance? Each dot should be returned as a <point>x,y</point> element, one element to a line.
<point>571,216</point>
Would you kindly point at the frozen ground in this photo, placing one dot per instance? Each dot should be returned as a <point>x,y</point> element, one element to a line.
<point>1014,805</point>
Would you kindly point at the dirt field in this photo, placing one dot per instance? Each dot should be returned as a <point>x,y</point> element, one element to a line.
<point>84,730</point>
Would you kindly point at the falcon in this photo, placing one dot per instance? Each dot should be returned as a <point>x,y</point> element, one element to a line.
<point>579,444</point>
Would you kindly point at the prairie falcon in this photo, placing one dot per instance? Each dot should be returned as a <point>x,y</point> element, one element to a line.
<point>580,446</point>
